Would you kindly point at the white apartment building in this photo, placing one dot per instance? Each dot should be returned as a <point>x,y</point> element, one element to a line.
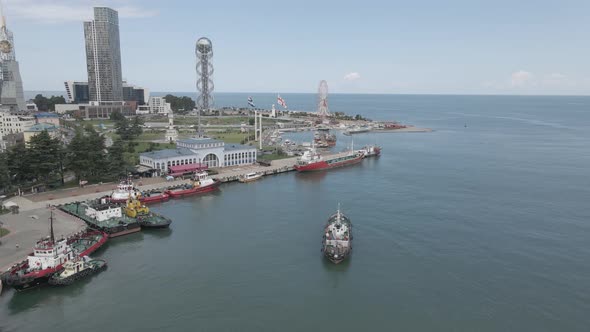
<point>12,124</point>
<point>158,105</point>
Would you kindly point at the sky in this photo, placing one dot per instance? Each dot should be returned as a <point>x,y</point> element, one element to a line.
<point>393,47</point>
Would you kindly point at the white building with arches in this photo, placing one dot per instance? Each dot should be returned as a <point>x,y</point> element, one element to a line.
<point>211,152</point>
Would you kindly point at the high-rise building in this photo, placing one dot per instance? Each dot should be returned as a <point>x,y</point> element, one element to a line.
<point>11,88</point>
<point>103,56</point>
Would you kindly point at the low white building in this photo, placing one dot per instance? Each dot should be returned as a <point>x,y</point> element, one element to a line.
<point>207,151</point>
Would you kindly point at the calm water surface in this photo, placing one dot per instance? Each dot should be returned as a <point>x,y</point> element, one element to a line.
<point>477,228</point>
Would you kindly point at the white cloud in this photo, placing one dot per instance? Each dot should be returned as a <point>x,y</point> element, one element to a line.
<point>352,76</point>
<point>57,11</point>
<point>521,79</point>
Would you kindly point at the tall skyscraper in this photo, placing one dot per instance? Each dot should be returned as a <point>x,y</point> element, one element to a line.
<point>11,88</point>
<point>103,55</point>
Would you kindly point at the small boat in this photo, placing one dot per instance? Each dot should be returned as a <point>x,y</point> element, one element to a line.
<point>77,269</point>
<point>370,151</point>
<point>337,239</point>
<point>146,219</point>
<point>200,184</point>
<point>323,138</point>
<point>250,177</point>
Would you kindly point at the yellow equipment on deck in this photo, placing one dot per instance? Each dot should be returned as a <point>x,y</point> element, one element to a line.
<point>135,208</point>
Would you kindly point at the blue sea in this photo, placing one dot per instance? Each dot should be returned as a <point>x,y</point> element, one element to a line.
<point>481,225</point>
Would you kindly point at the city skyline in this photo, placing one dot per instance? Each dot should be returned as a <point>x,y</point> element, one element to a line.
<point>426,48</point>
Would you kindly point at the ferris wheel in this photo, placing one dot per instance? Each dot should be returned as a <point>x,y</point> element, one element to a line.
<point>323,99</point>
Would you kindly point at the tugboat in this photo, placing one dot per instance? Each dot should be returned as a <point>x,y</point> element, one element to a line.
<point>313,161</point>
<point>371,151</point>
<point>47,258</point>
<point>200,184</point>
<point>135,209</point>
<point>77,269</point>
<point>337,239</point>
<point>124,191</point>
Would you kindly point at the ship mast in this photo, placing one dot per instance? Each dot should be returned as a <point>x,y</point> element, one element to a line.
<point>51,227</point>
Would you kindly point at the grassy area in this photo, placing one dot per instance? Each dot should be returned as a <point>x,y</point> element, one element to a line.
<point>3,232</point>
<point>230,136</point>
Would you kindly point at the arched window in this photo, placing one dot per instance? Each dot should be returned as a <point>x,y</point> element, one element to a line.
<point>211,160</point>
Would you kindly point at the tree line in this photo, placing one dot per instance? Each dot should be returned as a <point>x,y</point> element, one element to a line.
<point>44,161</point>
<point>45,104</point>
<point>180,105</point>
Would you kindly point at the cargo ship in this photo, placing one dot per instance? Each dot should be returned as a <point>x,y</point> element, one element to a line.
<point>49,255</point>
<point>311,160</point>
<point>104,216</point>
<point>337,238</point>
<point>200,184</point>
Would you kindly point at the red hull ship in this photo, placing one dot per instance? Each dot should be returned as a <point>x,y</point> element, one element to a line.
<point>200,185</point>
<point>313,161</point>
<point>154,197</point>
<point>49,256</point>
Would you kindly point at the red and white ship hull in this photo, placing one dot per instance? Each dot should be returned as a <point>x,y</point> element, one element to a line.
<point>326,164</point>
<point>178,193</point>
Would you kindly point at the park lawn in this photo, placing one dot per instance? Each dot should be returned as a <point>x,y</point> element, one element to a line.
<point>3,232</point>
<point>230,137</point>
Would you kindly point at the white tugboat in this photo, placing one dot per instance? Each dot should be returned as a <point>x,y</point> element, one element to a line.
<point>337,239</point>
<point>125,190</point>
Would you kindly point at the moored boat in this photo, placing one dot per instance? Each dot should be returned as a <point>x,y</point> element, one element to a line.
<point>153,196</point>
<point>323,138</point>
<point>123,192</point>
<point>48,257</point>
<point>356,130</point>
<point>200,184</point>
<point>77,269</point>
<point>311,160</point>
<point>250,177</point>
<point>371,151</point>
<point>145,218</point>
<point>104,216</point>
<point>337,238</point>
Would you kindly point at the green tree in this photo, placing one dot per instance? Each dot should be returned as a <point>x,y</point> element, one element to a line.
<point>44,156</point>
<point>20,165</point>
<point>136,127</point>
<point>116,165</point>
<point>180,105</point>
<point>48,104</point>
<point>4,172</point>
<point>77,156</point>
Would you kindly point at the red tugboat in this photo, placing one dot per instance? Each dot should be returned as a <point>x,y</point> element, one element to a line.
<point>311,160</point>
<point>126,190</point>
<point>200,184</point>
<point>49,256</point>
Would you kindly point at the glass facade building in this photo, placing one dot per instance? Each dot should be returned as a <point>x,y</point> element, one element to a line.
<point>103,56</point>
